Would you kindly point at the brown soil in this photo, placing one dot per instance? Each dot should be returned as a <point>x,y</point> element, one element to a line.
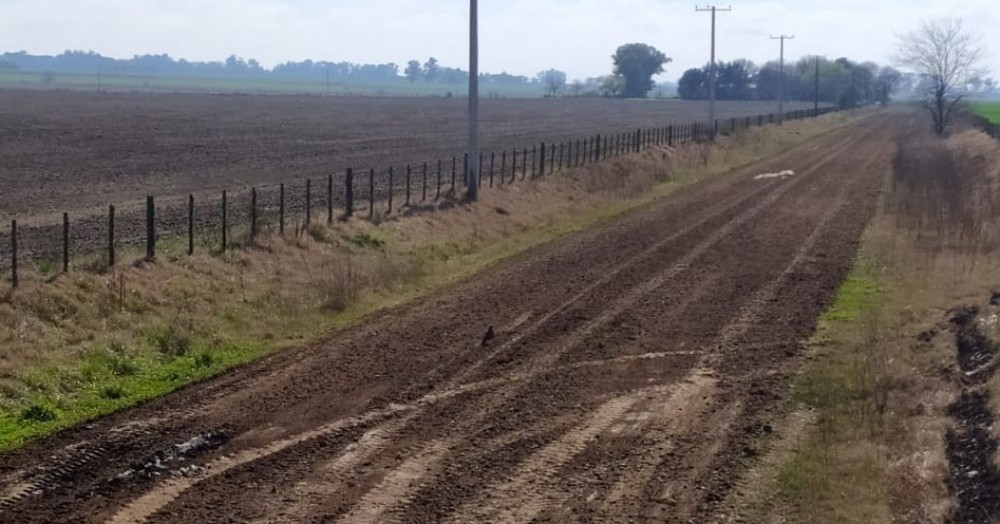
<point>635,371</point>
<point>77,152</point>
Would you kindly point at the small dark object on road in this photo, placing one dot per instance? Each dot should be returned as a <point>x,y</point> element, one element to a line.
<point>488,336</point>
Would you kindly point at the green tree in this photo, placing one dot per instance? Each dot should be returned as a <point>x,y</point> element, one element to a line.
<point>413,71</point>
<point>693,85</point>
<point>431,69</point>
<point>553,81</point>
<point>636,64</point>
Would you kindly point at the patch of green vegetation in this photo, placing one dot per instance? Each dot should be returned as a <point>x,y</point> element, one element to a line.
<point>45,267</point>
<point>838,458</point>
<point>108,390</point>
<point>366,240</point>
<point>988,110</point>
<point>858,294</point>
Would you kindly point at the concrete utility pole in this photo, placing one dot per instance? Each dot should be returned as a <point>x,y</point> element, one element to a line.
<point>473,174</point>
<point>816,88</point>
<point>712,73</point>
<point>781,77</point>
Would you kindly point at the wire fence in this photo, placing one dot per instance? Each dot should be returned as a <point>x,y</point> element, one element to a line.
<point>217,222</point>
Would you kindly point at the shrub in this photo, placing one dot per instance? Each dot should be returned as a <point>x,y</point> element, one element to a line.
<point>38,413</point>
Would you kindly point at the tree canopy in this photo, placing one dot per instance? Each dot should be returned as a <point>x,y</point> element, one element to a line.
<point>636,64</point>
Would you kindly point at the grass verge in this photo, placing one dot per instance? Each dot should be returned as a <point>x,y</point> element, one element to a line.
<point>881,372</point>
<point>82,345</point>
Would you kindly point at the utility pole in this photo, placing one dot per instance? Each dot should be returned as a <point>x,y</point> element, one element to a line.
<point>781,76</point>
<point>816,101</point>
<point>473,174</point>
<point>712,73</point>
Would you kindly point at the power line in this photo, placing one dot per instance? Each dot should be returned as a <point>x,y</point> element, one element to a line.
<point>781,76</point>
<point>712,74</point>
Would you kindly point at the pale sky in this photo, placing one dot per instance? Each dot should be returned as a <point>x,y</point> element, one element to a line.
<point>517,36</point>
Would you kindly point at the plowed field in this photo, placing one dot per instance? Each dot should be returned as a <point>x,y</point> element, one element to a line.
<point>635,369</point>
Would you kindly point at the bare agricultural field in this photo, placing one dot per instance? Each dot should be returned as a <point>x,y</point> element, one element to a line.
<point>76,152</point>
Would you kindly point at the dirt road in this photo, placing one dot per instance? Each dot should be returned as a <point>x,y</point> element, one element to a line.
<point>635,372</point>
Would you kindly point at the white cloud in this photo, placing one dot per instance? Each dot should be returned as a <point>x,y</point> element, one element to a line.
<point>519,36</point>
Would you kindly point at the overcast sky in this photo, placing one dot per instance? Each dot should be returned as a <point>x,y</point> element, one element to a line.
<point>518,36</point>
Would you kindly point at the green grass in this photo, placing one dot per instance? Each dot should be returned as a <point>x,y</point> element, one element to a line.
<point>837,460</point>
<point>109,381</point>
<point>989,110</point>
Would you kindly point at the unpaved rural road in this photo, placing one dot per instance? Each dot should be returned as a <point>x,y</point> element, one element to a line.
<point>636,367</point>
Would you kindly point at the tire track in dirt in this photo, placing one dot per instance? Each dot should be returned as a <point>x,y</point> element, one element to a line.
<point>517,509</point>
<point>547,358</point>
<point>447,386</point>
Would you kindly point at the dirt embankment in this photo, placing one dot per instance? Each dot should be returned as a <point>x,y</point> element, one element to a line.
<point>635,369</point>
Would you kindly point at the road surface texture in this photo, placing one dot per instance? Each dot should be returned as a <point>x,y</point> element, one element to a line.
<point>634,374</point>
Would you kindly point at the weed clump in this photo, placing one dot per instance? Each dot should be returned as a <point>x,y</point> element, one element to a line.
<point>366,240</point>
<point>171,341</point>
<point>38,412</point>
<point>114,392</point>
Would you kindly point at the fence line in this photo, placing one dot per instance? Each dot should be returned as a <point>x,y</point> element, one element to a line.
<point>209,220</point>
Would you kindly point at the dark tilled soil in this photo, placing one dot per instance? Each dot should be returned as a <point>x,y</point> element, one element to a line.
<point>970,446</point>
<point>636,367</point>
<point>79,152</point>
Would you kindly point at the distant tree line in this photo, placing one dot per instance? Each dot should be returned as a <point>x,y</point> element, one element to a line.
<point>842,82</point>
<point>430,71</point>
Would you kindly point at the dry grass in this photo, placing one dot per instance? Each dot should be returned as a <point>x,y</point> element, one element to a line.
<point>882,370</point>
<point>63,339</point>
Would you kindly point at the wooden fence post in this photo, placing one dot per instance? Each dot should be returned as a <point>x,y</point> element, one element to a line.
<point>438,197</point>
<point>493,161</point>
<point>281,209</point>
<point>13,253</point>
<point>534,159</point>
<point>454,168</point>
<point>349,193</point>
<point>465,170</point>
<point>308,201</point>
<point>424,184</point>
<point>371,194</point>
<point>329,199</point>
<point>150,229</point>
<point>503,166</point>
<point>524,163</point>
<point>391,184</point>
<point>225,226</point>
<point>65,245</point>
<point>253,214</point>
<point>552,159</point>
<point>543,150</point>
<point>111,236</point>
<point>513,168</point>
<point>409,176</point>
<point>597,150</point>
<point>190,225</point>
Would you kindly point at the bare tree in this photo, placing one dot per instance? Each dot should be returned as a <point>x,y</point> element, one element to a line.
<point>945,57</point>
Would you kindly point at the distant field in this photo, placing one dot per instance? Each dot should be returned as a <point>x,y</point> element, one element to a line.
<point>193,84</point>
<point>990,110</point>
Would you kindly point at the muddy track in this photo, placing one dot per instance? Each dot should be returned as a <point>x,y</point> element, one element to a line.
<point>636,367</point>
